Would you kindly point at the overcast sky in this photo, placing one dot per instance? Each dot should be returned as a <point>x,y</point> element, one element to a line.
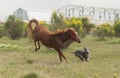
<point>9,6</point>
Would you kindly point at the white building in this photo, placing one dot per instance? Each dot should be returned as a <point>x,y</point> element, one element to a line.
<point>30,14</point>
<point>22,14</point>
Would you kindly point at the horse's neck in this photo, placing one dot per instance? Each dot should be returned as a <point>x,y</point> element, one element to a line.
<point>64,37</point>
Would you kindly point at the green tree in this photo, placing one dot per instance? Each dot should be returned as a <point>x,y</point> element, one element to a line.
<point>15,27</point>
<point>87,26</point>
<point>2,30</point>
<point>57,20</point>
<point>117,28</point>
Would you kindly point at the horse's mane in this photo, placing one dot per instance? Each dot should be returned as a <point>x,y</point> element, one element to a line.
<point>61,31</point>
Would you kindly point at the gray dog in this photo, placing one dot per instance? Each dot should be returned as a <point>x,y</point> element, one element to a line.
<point>83,55</point>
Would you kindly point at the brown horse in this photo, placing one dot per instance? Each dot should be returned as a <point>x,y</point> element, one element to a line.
<point>50,39</point>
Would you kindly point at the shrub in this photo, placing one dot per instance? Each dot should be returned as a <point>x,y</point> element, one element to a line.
<point>31,75</point>
<point>75,23</point>
<point>42,22</point>
<point>117,28</point>
<point>96,76</point>
<point>29,61</point>
<point>104,31</point>
<point>82,25</point>
<point>2,31</point>
<point>15,27</point>
<point>115,76</point>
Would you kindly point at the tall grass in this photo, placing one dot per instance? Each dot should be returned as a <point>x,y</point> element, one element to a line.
<point>21,61</point>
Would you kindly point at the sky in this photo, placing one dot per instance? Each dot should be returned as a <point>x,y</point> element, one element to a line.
<point>7,7</point>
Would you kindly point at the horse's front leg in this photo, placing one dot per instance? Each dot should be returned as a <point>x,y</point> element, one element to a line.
<point>61,55</point>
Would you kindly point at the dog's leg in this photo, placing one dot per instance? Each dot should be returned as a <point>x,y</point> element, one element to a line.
<point>81,58</point>
<point>86,58</point>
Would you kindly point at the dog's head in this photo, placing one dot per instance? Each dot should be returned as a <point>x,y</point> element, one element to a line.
<point>86,49</point>
<point>87,54</point>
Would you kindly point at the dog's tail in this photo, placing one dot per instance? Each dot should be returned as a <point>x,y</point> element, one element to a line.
<point>72,52</point>
<point>30,24</point>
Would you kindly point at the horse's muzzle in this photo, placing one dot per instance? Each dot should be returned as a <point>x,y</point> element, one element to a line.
<point>79,41</point>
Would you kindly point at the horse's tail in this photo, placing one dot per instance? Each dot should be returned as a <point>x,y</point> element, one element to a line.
<point>30,24</point>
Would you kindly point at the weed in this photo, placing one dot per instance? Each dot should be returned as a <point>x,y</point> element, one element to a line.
<point>30,75</point>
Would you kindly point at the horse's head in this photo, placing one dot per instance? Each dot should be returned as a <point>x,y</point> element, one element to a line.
<point>74,35</point>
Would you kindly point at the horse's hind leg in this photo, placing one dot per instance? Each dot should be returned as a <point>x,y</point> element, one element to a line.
<point>38,45</point>
<point>35,46</point>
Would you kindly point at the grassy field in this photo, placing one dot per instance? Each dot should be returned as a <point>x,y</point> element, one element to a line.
<point>18,60</point>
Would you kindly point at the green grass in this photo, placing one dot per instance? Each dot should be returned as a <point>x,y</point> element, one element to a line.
<point>18,60</point>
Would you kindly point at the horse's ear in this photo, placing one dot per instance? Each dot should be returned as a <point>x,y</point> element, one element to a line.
<point>69,30</point>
